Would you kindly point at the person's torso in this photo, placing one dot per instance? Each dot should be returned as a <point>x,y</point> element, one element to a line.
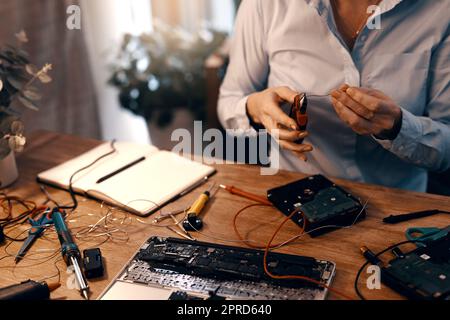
<point>306,53</point>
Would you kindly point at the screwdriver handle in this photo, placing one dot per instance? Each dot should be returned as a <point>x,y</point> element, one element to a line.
<point>247,195</point>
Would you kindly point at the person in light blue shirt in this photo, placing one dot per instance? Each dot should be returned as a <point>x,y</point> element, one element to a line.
<point>377,74</point>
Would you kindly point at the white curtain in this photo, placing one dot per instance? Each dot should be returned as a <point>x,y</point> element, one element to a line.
<point>104,24</point>
<point>194,14</point>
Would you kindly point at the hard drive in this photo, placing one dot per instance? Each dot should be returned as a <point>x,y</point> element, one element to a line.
<point>324,205</point>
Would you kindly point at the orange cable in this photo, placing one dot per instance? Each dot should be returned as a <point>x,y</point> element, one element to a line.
<point>271,246</point>
<point>246,241</point>
<point>293,277</point>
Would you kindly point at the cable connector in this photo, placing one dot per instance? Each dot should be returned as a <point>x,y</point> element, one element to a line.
<point>371,257</point>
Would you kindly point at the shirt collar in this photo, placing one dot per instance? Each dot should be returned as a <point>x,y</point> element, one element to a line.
<point>321,5</point>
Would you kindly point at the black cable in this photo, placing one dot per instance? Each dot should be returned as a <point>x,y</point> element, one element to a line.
<point>377,256</point>
<point>71,191</point>
<point>8,223</point>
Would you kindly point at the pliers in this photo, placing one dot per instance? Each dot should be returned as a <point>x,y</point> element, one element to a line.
<point>426,234</point>
<point>38,226</point>
<point>298,113</point>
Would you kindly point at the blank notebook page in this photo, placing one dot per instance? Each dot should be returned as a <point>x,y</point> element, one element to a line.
<point>142,188</point>
<point>151,183</point>
<point>126,153</point>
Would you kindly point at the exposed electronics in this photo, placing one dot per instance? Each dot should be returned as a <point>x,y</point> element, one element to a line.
<point>173,269</point>
<point>423,273</point>
<point>321,202</point>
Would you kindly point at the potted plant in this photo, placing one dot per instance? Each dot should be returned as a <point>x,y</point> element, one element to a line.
<point>161,76</point>
<point>17,77</point>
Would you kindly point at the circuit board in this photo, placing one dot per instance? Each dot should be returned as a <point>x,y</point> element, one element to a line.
<point>321,202</point>
<point>196,269</point>
<point>423,273</point>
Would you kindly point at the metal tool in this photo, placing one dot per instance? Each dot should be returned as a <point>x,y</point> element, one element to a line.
<point>298,113</point>
<point>426,234</point>
<point>394,219</point>
<point>70,251</point>
<point>38,227</point>
<point>247,195</point>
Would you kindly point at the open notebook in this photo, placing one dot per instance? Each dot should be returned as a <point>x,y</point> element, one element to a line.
<point>141,189</point>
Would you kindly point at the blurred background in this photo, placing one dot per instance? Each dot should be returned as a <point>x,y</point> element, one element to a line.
<point>135,71</point>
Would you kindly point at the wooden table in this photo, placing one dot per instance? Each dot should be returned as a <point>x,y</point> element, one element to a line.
<point>46,150</point>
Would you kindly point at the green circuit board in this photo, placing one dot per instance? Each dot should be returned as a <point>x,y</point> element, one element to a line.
<point>423,273</point>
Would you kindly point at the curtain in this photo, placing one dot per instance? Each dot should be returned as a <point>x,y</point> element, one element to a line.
<point>69,103</point>
<point>105,22</point>
<point>194,14</point>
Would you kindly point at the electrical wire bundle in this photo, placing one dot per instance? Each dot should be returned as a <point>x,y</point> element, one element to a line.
<point>9,221</point>
<point>270,246</point>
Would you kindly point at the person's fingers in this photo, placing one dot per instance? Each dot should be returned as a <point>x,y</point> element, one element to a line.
<point>302,156</point>
<point>291,135</point>
<point>357,123</point>
<point>344,87</point>
<point>358,107</point>
<point>372,92</point>
<point>286,94</point>
<point>366,98</point>
<point>274,111</point>
<point>281,134</point>
<point>301,148</point>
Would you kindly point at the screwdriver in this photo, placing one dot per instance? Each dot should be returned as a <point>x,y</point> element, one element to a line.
<point>70,251</point>
<point>247,195</point>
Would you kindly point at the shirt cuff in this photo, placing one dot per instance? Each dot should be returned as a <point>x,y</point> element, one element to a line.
<point>240,123</point>
<point>407,138</point>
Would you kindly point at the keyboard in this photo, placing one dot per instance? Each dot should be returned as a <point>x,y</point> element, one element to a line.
<point>195,269</point>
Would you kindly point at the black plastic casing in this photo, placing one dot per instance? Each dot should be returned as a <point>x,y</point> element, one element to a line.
<point>93,263</point>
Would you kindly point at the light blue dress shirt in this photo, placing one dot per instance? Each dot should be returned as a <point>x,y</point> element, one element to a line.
<point>295,43</point>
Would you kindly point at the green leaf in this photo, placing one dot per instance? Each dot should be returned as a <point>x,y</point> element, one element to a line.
<point>9,112</point>
<point>32,94</point>
<point>31,69</point>
<point>27,103</point>
<point>15,82</point>
<point>45,78</point>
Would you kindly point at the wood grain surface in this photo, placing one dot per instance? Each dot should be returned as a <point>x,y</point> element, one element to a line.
<point>46,149</point>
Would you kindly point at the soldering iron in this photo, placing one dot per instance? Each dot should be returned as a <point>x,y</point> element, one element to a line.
<point>70,251</point>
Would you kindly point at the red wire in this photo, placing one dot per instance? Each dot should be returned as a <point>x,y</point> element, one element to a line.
<point>294,277</point>
<point>272,246</point>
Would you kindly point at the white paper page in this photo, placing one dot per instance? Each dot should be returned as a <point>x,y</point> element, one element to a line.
<point>85,180</point>
<point>153,182</point>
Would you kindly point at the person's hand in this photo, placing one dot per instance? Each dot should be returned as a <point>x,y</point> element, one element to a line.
<point>264,108</point>
<point>368,111</point>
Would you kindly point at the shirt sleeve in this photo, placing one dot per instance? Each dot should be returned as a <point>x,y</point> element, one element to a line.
<point>425,140</point>
<point>248,69</point>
